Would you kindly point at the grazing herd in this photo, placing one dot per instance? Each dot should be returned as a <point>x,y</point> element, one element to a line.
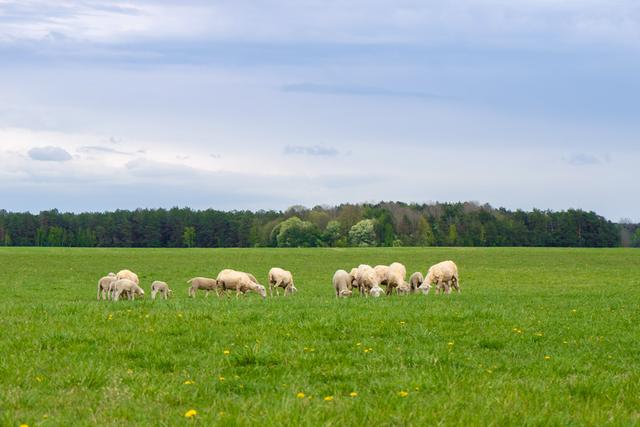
<point>364,279</point>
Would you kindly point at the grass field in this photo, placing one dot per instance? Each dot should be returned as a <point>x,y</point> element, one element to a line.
<point>537,337</point>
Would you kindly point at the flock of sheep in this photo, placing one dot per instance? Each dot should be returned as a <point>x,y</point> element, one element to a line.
<point>364,278</point>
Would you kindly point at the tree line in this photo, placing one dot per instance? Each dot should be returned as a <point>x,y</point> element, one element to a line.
<point>382,224</point>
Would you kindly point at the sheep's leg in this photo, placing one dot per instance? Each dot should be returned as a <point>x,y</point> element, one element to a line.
<point>270,289</point>
<point>454,282</point>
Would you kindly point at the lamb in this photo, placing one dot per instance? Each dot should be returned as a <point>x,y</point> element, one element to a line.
<point>125,285</point>
<point>103,286</point>
<point>240,282</point>
<point>158,287</point>
<point>279,278</point>
<point>342,283</point>
<point>128,274</point>
<point>395,276</point>
<point>368,280</point>
<point>444,275</point>
<point>204,283</point>
<point>416,280</point>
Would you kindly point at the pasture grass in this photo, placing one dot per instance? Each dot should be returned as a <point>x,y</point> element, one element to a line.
<point>537,337</point>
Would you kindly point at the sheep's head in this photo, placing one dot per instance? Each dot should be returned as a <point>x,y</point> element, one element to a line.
<point>376,292</point>
<point>261,290</point>
<point>346,293</point>
<point>293,289</point>
<point>424,288</point>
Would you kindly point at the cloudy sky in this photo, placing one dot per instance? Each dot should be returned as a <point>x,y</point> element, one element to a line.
<point>243,104</point>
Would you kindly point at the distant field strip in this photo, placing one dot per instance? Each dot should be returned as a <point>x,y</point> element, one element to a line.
<point>537,337</point>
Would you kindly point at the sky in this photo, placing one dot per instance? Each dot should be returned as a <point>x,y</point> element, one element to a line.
<point>238,104</point>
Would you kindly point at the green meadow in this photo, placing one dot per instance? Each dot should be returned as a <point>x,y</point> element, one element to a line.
<point>537,337</point>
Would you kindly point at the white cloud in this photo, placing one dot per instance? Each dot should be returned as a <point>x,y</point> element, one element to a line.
<point>499,22</point>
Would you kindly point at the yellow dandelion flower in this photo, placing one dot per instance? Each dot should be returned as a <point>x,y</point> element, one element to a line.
<point>24,425</point>
<point>328,398</point>
<point>191,413</point>
<point>547,357</point>
<point>574,310</point>
<point>179,314</point>
<point>450,343</point>
<point>538,334</point>
<point>221,379</point>
<point>39,379</point>
<point>359,344</point>
<point>353,394</point>
<point>226,352</point>
<point>300,395</point>
<point>402,322</point>
<point>366,350</point>
<point>403,393</point>
<point>188,382</point>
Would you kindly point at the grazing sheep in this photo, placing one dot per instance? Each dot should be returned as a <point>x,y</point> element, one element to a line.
<point>341,283</point>
<point>381,272</point>
<point>103,286</point>
<point>126,286</point>
<point>160,287</point>
<point>444,275</point>
<point>128,274</point>
<point>395,276</point>
<point>205,284</point>
<point>240,282</point>
<point>279,278</point>
<point>416,280</point>
<point>368,281</point>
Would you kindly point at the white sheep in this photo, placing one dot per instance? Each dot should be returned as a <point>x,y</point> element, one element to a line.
<point>240,282</point>
<point>126,286</point>
<point>279,278</point>
<point>396,274</point>
<point>444,275</point>
<point>103,286</point>
<point>158,287</point>
<point>205,284</point>
<point>128,274</point>
<point>368,281</point>
<point>342,283</point>
<point>416,281</point>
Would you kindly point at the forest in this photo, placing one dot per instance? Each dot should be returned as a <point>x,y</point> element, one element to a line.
<point>382,224</point>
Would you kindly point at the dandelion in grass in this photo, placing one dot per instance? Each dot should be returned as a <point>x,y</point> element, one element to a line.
<point>191,413</point>
<point>450,343</point>
<point>221,379</point>
<point>300,395</point>
<point>547,357</point>
<point>189,382</point>
<point>226,352</point>
<point>39,379</point>
<point>538,334</point>
<point>359,344</point>
<point>403,393</point>
<point>24,425</point>
<point>353,394</point>
<point>328,398</point>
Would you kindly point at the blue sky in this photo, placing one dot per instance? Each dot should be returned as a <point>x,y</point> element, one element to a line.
<point>240,104</point>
